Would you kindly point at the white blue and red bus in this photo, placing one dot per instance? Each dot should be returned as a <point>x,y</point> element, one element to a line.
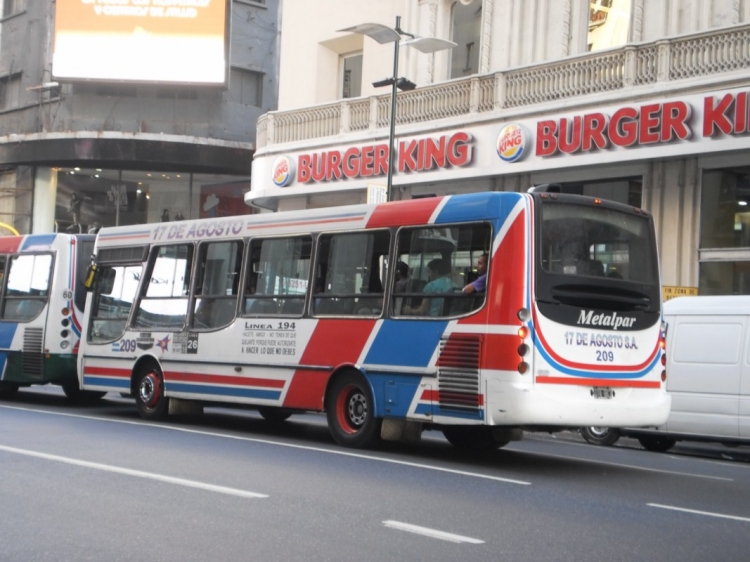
<point>301,311</point>
<point>42,296</point>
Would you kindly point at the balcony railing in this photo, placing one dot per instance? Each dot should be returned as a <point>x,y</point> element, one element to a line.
<point>712,52</point>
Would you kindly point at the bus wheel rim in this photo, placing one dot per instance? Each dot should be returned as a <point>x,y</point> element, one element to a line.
<point>150,390</point>
<point>351,409</point>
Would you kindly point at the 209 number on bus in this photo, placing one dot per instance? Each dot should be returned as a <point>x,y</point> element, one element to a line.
<point>605,356</point>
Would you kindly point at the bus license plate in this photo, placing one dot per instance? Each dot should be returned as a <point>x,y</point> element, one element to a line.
<point>602,392</point>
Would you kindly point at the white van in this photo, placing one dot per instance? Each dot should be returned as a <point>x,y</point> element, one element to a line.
<point>708,375</point>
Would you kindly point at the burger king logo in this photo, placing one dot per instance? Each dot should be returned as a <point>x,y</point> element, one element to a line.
<point>512,142</point>
<point>283,171</point>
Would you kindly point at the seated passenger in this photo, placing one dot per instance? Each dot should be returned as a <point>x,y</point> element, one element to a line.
<point>438,273</point>
<point>479,285</point>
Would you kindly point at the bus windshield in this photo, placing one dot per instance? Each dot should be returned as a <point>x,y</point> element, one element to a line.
<point>591,255</point>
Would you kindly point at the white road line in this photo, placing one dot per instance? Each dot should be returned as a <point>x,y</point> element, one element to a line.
<point>279,444</point>
<point>432,533</point>
<point>710,514</point>
<point>136,473</point>
<point>620,465</point>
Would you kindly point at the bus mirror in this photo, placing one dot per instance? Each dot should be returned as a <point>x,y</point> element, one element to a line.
<point>107,281</point>
<point>90,277</point>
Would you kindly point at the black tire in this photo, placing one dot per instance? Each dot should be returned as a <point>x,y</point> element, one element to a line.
<point>149,394</point>
<point>274,415</point>
<point>656,444</point>
<point>8,389</point>
<point>604,436</point>
<point>481,438</point>
<point>350,411</point>
<point>74,393</point>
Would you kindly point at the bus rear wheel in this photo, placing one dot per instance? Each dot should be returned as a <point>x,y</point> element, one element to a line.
<point>74,393</point>
<point>656,444</point>
<point>274,415</point>
<point>476,437</point>
<point>604,436</point>
<point>8,389</point>
<point>350,411</point>
<point>149,394</point>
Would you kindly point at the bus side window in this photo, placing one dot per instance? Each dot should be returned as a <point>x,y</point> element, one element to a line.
<point>277,276</point>
<point>351,270</point>
<point>217,284</point>
<point>439,262</point>
<point>27,290</point>
<point>164,300</point>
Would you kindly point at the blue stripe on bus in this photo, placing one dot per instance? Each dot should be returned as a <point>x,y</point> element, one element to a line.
<point>102,381</point>
<point>406,343</point>
<point>478,206</point>
<point>223,391</point>
<point>34,240</point>
<point>435,410</point>
<point>7,332</point>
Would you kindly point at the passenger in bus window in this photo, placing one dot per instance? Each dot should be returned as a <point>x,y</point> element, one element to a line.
<point>479,285</point>
<point>438,273</point>
<point>401,285</point>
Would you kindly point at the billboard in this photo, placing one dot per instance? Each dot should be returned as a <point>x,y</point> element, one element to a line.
<point>173,41</point>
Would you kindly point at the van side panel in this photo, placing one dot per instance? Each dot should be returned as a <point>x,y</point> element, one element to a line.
<point>705,366</point>
<point>744,398</point>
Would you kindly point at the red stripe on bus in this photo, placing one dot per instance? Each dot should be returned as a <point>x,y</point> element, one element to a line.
<point>304,222</point>
<point>108,371</point>
<point>333,342</point>
<point>500,352</point>
<point>175,376</point>
<point>619,383</point>
<point>10,244</point>
<point>415,211</point>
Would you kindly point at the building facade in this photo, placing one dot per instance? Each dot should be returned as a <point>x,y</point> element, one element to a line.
<point>643,102</point>
<point>130,112</point>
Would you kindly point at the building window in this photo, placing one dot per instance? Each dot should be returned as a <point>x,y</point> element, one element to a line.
<point>609,24</point>
<point>467,26</point>
<point>725,230</point>
<point>11,7</point>
<point>351,76</point>
<point>246,87</point>
<point>10,91</point>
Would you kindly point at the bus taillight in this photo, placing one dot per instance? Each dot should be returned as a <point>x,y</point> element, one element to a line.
<point>523,349</point>
<point>523,331</point>
<point>523,367</point>
<point>664,376</point>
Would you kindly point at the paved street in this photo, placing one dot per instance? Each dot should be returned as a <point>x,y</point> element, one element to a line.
<point>97,483</point>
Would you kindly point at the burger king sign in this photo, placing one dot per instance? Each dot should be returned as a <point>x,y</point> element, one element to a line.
<point>512,143</point>
<point>283,171</point>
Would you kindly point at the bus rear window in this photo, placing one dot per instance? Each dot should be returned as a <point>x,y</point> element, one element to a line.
<point>579,240</point>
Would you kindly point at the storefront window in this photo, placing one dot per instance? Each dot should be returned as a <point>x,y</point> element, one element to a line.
<point>725,208</point>
<point>92,198</point>
<point>725,278</point>
<point>609,23</point>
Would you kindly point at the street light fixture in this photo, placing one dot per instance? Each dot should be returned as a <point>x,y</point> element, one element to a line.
<point>384,34</point>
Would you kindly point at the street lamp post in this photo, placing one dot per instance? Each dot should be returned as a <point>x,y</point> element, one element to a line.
<point>384,34</point>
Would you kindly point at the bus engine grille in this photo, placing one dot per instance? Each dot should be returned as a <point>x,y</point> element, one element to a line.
<point>458,372</point>
<point>32,351</point>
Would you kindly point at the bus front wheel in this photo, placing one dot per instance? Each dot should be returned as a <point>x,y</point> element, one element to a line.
<point>350,412</point>
<point>149,394</point>
<point>604,436</point>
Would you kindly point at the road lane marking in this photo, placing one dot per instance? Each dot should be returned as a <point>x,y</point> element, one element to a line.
<point>432,533</point>
<point>280,444</point>
<point>697,512</point>
<point>620,465</point>
<point>136,473</point>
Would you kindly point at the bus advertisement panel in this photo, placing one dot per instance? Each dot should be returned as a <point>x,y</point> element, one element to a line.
<point>479,315</point>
